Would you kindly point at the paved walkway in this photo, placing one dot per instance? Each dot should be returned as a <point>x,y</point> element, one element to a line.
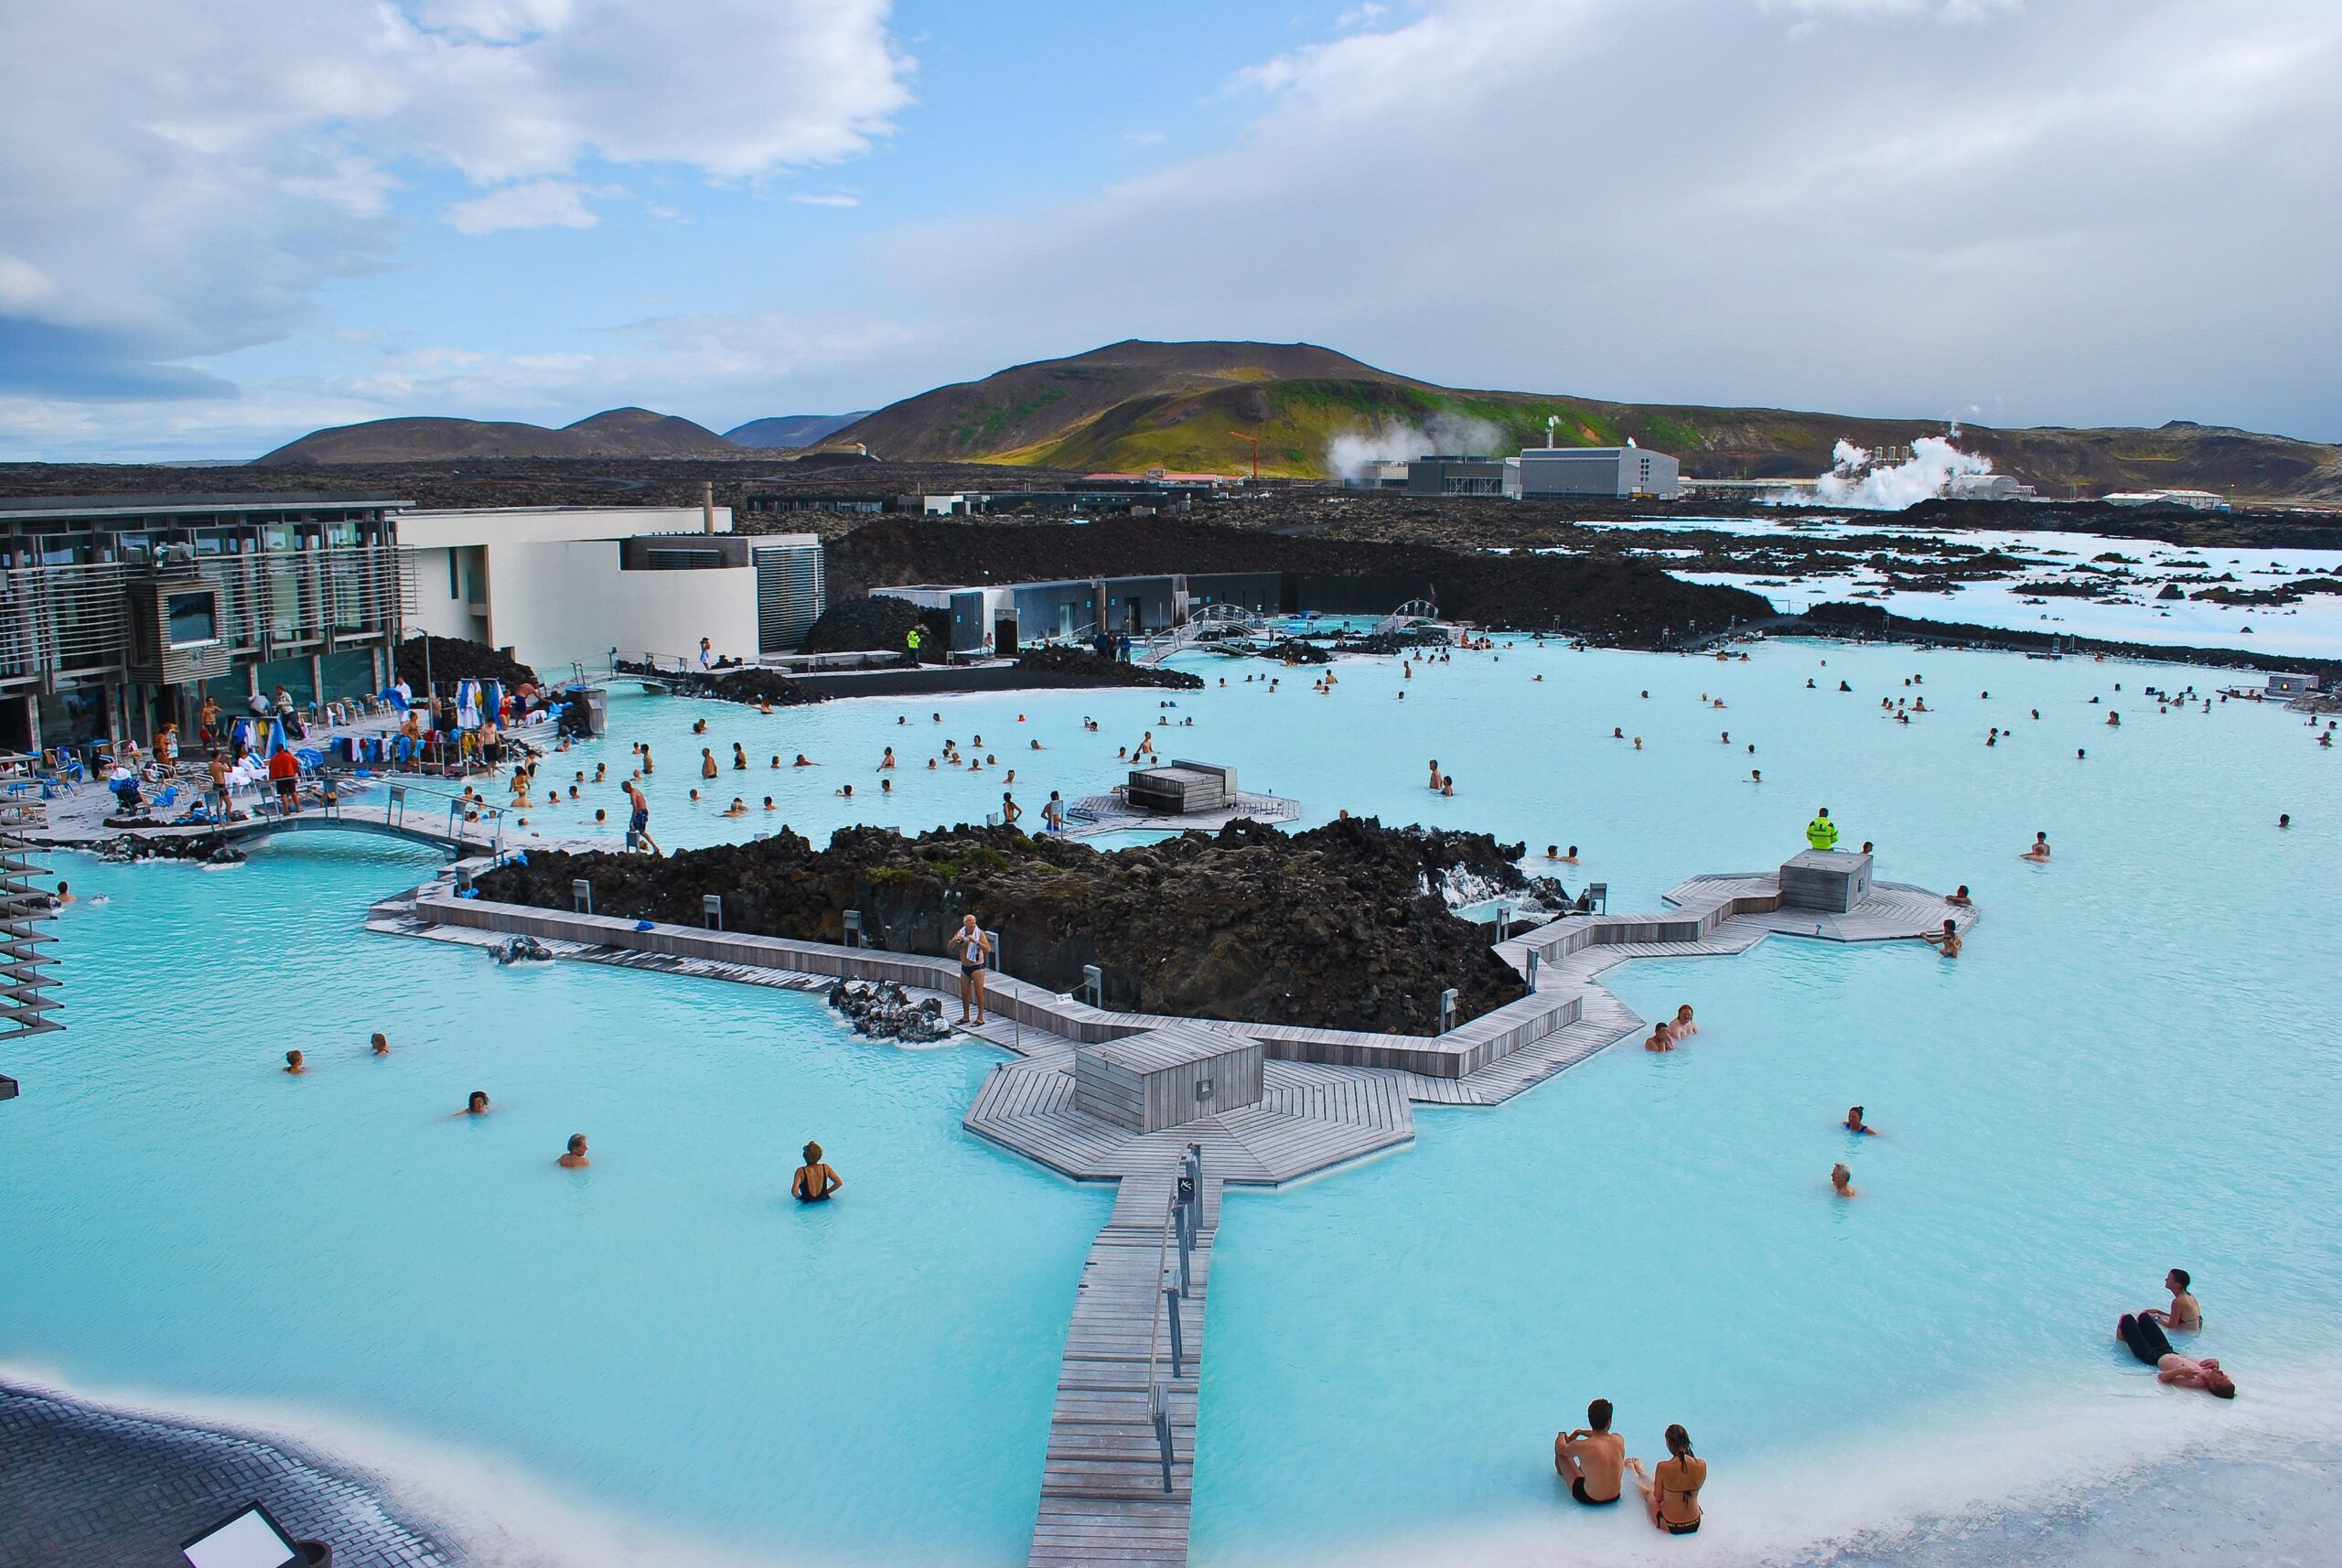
<point>87,1486</point>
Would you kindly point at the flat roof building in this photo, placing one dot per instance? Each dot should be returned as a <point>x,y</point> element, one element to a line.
<point>1616,472</point>
<point>119,614</point>
<point>564,585</point>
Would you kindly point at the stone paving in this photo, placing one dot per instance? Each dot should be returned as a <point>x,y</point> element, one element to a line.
<point>87,1486</point>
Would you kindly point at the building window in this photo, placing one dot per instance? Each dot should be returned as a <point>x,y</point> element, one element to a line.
<point>192,619</point>
<point>454,582</point>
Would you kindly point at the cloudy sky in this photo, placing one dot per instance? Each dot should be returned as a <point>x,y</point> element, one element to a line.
<point>223,224</point>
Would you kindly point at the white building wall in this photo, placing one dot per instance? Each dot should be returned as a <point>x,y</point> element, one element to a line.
<point>555,602</point>
<point>545,582</point>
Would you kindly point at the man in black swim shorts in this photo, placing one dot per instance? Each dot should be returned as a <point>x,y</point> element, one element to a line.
<point>1593,1459</point>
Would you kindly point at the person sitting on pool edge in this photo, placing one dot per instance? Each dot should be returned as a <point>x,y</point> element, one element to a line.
<point>1672,1492</point>
<point>1593,1458</point>
<point>814,1181</point>
<point>1855,1123</point>
<point>576,1159</point>
<point>2184,1316</point>
<point>2146,1344</point>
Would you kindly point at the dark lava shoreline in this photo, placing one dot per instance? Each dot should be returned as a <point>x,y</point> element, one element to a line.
<point>1338,926</point>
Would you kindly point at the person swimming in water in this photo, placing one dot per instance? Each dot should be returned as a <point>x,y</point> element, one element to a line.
<point>477,1105</point>
<point>295,1063</point>
<point>1958,898</point>
<point>1682,1029</point>
<point>1855,1124</point>
<point>2184,1315</point>
<point>575,1160</point>
<point>1593,1458</point>
<point>1662,1038</point>
<point>2145,1339</point>
<point>1842,1181</point>
<point>1946,940</point>
<point>1672,1492</point>
<point>814,1180</point>
<point>2040,850</point>
<point>380,1044</point>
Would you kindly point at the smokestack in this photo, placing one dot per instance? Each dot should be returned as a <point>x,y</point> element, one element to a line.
<point>708,506</point>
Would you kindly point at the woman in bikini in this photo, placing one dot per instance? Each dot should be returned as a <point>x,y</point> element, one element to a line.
<point>1672,1493</point>
<point>814,1181</point>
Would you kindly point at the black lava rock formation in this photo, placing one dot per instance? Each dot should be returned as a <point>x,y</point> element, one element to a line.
<point>1339,926</point>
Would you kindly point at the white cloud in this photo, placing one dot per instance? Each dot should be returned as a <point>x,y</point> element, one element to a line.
<point>533,204</point>
<point>1361,15</point>
<point>188,175</point>
<point>720,369</point>
<point>22,284</point>
<point>833,198</point>
<point>2106,210</point>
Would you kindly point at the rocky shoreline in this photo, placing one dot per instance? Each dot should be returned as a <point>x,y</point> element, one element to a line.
<point>1343,926</point>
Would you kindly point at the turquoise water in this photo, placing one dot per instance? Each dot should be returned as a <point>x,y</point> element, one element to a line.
<point>2129,1067</point>
<point>666,1336</point>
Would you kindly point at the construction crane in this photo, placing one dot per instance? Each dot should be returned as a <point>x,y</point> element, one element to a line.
<point>1254,437</point>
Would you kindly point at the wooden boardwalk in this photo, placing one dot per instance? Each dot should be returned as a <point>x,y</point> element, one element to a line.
<point>1330,1097</point>
<point>1102,1496</point>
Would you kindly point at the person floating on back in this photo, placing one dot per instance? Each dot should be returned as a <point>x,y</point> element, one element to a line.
<point>2146,1343</point>
<point>814,1181</point>
<point>1592,1459</point>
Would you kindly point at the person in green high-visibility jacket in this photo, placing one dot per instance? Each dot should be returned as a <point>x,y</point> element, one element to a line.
<point>911,640</point>
<point>1822,832</point>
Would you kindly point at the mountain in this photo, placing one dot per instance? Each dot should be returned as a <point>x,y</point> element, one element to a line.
<point>615,433</point>
<point>1135,405</point>
<point>790,429</point>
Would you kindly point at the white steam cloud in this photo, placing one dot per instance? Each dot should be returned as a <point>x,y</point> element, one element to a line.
<point>1933,465</point>
<point>1349,454</point>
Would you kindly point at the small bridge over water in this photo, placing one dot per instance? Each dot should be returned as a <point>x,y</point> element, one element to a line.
<point>403,812</point>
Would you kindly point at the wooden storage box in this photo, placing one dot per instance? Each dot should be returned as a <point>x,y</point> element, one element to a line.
<point>1165,1077</point>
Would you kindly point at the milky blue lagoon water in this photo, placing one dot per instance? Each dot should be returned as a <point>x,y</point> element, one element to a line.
<point>2130,1066</point>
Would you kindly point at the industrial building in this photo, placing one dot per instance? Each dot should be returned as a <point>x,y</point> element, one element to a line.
<point>1450,475</point>
<point>119,614</point>
<point>2195,500</point>
<point>563,585</point>
<point>1616,472</point>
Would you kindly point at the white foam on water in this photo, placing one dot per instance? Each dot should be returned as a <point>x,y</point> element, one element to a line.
<point>2030,1472</point>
